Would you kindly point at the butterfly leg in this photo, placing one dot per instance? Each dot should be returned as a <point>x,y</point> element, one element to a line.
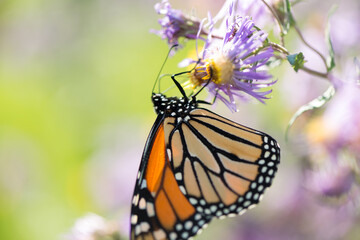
<point>178,85</point>
<point>209,103</point>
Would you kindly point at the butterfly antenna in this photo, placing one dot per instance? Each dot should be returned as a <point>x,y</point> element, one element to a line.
<point>162,66</point>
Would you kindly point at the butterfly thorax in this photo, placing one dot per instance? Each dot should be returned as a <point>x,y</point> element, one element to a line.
<point>173,106</point>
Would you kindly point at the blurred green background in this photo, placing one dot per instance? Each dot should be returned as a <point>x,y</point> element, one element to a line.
<point>75,78</point>
<point>67,69</point>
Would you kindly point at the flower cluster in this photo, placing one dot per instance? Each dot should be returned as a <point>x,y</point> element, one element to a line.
<point>235,66</point>
<point>175,24</point>
<point>234,58</point>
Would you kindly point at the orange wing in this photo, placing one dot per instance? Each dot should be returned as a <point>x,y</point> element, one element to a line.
<point>159,209</point>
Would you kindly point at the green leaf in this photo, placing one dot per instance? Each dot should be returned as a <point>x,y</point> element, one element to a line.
<point>296,60</point>
<point>313,104</point>
<point>330,61</point>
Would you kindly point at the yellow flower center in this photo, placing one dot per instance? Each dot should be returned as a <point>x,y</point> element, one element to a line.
<point>218,68</point>
<point>222,69</point>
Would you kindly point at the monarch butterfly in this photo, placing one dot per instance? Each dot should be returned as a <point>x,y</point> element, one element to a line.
<point>197,165</point>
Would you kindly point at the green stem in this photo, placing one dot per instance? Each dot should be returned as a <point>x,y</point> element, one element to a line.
<point>278,20</point>
<point>308,45</point>
<point>279,48</point>
<point>315,73</point>
<point>283,50</point>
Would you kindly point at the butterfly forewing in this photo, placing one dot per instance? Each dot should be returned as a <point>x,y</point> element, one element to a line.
<point>223,167</point>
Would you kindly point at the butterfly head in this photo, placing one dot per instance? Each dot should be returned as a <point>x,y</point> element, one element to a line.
<point>173,106</point>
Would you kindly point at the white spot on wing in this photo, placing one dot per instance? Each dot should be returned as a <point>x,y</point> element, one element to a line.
<point>270,164</point>
<point>134,219</point>
<point>136,199</point>
<point>178,176</point>
<point>144,227</point>
<point>188,225</point>
<point>142,203</point>
<point>248,195</point>
<point>169,153</point>
<point>150,209</point>
<point>213,208</point>
<point>185,235</point>
<point>193,201</point>
<point>159,234</point>
<point>247,203</point>
<point>137,230</point>
<point>143,184</point>
<point>178,227</point>
<point>182,189</point>
<point>173,236</point>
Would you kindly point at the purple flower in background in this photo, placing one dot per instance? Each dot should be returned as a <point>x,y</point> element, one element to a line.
<point>343,120</point>
<point>236,65</point>
<point>303,217</point>
<point>339,127</point>
<point>334,140</point>
<point>292,213</point>
<point>331,180</point>
<point>175,24</point>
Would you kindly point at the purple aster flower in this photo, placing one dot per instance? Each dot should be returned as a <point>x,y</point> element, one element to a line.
<point>332,180</point>
<point>342,119</point>
<point>236,65</point>
<point>338,128</point>
<point>334,140</point>
<point>300,217</point>
<point>175,24</point>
